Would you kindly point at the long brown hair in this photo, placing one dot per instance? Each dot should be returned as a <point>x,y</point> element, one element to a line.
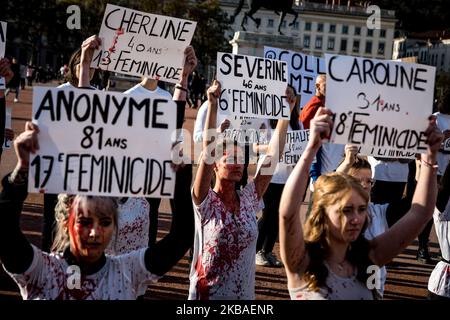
<point>330,189</point>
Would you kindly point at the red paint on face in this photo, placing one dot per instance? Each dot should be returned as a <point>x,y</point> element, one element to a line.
<point>74,236</point>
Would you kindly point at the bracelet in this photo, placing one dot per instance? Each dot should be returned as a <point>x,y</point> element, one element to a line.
<point>430,165</point>
<point>180,87</point>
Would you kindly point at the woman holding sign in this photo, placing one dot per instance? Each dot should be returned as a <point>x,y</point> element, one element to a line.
<point>268,223</point>
<point>223,265</point>
<point>331,259</point>
<point>81,270</point>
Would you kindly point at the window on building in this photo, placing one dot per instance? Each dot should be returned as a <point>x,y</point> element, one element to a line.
<point>369,47</point>
<point>270,23</point>
<point>344,45</point>
<point>381,47</point>
<point>283,25</point>
<point>318,43</point>
<point>370,32</point>
<point>306,41</point>
<point>357,31</point>
<point>345,29</point>
<point>330,45</point>
<point>442,59</point>
<point>355,45</point>
<point>320,27</point>
<point>296,25</point>
<point>332,28</point>
<point>382,33</point>
<point>308,26</point>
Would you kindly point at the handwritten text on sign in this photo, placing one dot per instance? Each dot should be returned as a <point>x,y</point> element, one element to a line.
<point>386,153</point>
<point>98,143</point>
<point>142,44</point>
<point>245,130</point>
<point>296,142</point>
<point>379,103</point>
<point>252,86</point>
<point>303,70</point>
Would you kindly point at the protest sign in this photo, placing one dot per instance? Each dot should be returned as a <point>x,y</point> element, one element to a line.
<point>252,86</point>
<point>8,125</point>
<point>379,103</point>
<point>296,142</point>
<point>102,143</point>
<point>143,44</point>
<point>302,70</point>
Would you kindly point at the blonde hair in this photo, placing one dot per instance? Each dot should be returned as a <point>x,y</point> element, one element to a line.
<point>101,206</point>
<point>330,189</point>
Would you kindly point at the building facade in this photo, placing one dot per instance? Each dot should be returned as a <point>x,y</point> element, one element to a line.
<point>427,50</point>
<point>325,28</point>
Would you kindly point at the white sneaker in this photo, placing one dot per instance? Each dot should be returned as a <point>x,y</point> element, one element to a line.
<point>261,259</point>
<point>16,100</point>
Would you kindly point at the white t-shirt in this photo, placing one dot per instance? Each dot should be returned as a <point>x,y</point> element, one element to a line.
<point>48,278</point>
<point>200,121</point>
<point>223,264</point>
<point>337,288</point>
<point>68,85</point>
<point>139,89</point>
<point>443,123</point>
<point>377,225</point>
<point>133,227</point>
<point>439,282</point>
<point>390,171</point>
<point>331,156</point>
<point>133,230</point>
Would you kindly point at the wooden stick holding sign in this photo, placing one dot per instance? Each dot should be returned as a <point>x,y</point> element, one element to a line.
<point>378,103</point>
<point>252,86</point>
<point>143,44</point>
<point>302,69</point>
<point>119,145</point>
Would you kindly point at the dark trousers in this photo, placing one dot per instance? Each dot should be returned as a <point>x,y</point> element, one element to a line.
<point>50,201</point>
<point>183,184</point>
<point>387,191</point>
<point>268,224</point>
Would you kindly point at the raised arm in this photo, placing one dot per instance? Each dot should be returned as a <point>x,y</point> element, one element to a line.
<point>389,244</point>
<point>16,252</point>
<point>87,52</point>
<point>205,166</point>
<point>190,62</point>
<point>274,149</point>
<point>350,155</point>
<point>292,244</point>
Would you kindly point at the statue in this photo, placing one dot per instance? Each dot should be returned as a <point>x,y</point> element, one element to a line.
<point>283,6</point>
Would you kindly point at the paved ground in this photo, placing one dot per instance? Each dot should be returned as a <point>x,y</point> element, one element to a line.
<point>407,279</point>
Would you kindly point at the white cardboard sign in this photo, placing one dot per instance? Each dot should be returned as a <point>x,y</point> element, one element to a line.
<point>143,44</point>
<point>379,103</point>
<point>303,70</point>
<point>252,86</point>
<point>102,143</point>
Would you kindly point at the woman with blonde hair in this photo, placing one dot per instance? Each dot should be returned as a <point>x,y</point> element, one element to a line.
<point>330,258</point>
